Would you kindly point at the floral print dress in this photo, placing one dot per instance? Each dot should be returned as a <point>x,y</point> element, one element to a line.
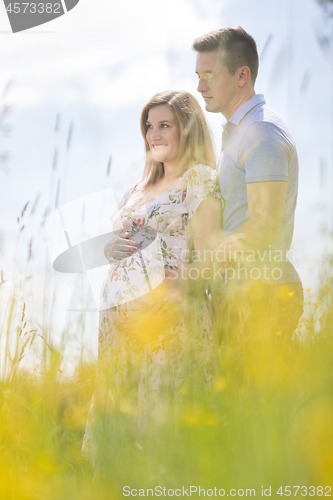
<point>131,379</point>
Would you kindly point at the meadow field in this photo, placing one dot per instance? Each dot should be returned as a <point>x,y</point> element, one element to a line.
<point>264,421</point>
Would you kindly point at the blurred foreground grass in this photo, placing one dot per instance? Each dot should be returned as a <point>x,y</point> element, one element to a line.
<point>267,420</point>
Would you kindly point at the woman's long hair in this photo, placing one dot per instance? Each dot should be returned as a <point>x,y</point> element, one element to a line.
<point>196,145</point>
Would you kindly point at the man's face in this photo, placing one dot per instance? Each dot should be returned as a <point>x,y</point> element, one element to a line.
<point>218,87</point>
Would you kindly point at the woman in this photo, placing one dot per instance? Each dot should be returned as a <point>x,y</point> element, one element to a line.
<point>176,207</point>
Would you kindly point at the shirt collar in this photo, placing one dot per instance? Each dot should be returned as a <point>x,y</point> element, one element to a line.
<point>246,107</point>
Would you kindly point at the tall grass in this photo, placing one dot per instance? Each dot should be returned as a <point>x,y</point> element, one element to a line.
<point>265,420</point>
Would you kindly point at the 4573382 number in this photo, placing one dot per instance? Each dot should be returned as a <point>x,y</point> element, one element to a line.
<point>311,491</point>
<point>34,8</point>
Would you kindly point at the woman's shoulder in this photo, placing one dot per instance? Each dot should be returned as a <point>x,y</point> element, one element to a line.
<point>200,173</point>
<point>129,194</point>
<point>136,188</point>
<point>202,182</point>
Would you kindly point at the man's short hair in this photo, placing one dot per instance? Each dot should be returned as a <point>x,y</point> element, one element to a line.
<point>236,46</point>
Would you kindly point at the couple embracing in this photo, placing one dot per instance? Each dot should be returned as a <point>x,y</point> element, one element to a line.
<point>238,217</point>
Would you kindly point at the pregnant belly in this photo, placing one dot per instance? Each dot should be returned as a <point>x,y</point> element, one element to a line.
<point>134,276</point>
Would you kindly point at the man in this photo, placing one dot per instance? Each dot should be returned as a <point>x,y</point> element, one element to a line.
<point>258,174</point>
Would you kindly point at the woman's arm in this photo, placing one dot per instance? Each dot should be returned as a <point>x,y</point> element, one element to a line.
<point>206,231</point>
<point>206,227</point>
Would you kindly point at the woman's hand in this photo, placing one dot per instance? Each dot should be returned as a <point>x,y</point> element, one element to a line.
<point>120,247</point>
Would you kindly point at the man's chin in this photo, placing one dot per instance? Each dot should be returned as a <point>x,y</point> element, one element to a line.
<point>211,108</point>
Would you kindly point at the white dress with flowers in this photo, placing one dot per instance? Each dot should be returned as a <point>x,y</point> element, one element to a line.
<point>133,379</point>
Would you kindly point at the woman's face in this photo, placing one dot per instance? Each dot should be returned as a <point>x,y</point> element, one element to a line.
<point>163,134</point>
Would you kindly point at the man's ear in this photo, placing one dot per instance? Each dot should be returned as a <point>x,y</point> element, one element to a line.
<point>244,75</point>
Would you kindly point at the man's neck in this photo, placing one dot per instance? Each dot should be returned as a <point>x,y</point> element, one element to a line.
<point>243,98</point>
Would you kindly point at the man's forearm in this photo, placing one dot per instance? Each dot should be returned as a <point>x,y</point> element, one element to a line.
<point>251,236</point>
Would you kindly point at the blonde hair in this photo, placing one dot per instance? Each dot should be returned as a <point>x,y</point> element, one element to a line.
<point>196,145</point>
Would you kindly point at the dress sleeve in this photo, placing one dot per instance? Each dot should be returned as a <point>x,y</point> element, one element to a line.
<point>115,216</point>
<point>126,197</point>
<point>202,183</point>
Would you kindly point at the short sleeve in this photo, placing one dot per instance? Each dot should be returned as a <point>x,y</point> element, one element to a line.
<point>126,197</point>
<point>115,216</point>
<point>202,182</point>
<point>264,153</point>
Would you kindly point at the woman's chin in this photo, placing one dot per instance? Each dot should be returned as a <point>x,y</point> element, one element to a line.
<point>159,158</point>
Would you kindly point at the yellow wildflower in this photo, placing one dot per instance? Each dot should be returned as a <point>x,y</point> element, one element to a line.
<point>220,384</point>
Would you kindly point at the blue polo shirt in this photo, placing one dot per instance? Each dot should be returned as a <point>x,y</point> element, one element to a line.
<point>257,147</point>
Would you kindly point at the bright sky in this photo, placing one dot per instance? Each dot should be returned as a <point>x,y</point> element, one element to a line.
<point>96,67</point>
